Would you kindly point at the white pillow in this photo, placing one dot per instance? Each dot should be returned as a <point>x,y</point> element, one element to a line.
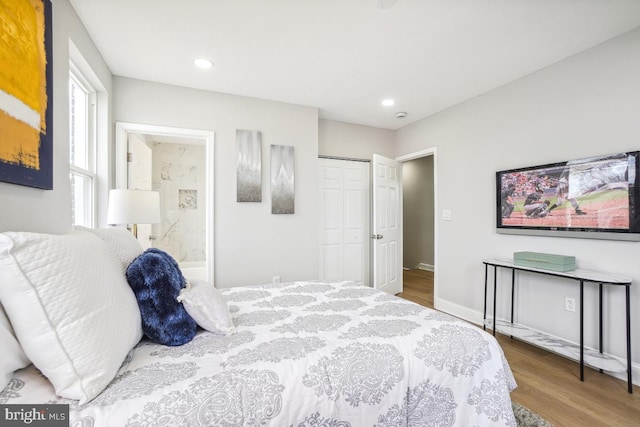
<point>70,306</point>
<point>121,241</point>
<point>205,305</point>
<point>13,358</point>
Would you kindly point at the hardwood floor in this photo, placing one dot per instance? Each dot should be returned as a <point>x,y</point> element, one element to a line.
<point>418,287</point>
<point>549,384</point>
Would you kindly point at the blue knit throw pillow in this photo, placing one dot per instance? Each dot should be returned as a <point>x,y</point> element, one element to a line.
<point>156,280</point>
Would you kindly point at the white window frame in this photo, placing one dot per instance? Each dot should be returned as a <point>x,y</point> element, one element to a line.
<point>89,172</point>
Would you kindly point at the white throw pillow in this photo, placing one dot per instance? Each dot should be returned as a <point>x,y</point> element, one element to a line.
<point>70,306</point>
<point>13,358</point>
<point>205,305</point>
<point>121,241</point>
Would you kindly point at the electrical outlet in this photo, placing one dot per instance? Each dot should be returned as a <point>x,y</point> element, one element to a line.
<point>570,304</point>
<point>276,279</point>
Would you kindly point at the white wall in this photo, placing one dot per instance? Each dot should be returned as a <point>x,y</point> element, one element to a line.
<point>30,209</point>
<point>251,244</point>
<point>341,139</point>
<point>586,105</point>
<point>417,212</point>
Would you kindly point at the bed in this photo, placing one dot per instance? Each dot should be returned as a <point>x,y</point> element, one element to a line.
<point>303,354</point>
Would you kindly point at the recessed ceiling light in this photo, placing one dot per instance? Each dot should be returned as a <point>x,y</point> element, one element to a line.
<point>388,102</point>
<point>203,63</point>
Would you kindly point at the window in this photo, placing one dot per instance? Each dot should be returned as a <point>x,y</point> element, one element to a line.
<point>82,141</point>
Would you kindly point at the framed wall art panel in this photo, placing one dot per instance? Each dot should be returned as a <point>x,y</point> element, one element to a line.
<point>26,96</point>
<point>282,180</point>
<point>249,165</point>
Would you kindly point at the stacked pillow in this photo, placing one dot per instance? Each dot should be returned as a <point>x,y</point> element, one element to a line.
<point>205,304</point>
<point>171,307</point>
<point>121,243</point>
<point>156,280</point>
<point>72,311</point>
<point>13,358</point>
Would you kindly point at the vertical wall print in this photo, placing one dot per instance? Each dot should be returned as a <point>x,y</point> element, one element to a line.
<point>249,165</point>
<point>26,99</point>
<point>282,180</point>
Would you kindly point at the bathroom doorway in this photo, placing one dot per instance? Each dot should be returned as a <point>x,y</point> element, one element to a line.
<point>177,163</point>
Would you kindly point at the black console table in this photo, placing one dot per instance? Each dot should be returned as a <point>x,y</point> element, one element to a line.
<point>565,348</point>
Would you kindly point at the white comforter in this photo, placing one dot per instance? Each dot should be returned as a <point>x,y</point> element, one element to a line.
<point>305,354</point>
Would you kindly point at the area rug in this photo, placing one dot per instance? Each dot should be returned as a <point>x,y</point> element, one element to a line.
<point>526,418</point>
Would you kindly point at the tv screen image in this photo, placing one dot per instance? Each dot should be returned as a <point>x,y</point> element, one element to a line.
<point>593,195</point>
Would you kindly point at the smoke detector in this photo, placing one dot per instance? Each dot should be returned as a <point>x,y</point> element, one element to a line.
<point>385,4</point>
<point>401,115</point>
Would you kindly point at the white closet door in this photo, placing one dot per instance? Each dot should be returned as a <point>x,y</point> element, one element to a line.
<point>344,220</point>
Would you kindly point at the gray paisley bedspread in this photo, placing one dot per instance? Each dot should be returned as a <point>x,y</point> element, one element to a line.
<point>305,354</point>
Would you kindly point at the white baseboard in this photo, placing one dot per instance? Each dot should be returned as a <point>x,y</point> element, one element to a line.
<point>426,267</point>
<point>459,311</point>
<point>475,317</point>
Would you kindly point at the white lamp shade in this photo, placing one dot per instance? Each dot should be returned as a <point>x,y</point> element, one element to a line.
<point>133,207</point>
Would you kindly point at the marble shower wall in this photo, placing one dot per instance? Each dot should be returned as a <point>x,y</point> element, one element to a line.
<point>179,174</point>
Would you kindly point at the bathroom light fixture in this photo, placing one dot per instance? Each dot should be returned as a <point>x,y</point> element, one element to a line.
<point>388,102</point>
<point>203,63</point>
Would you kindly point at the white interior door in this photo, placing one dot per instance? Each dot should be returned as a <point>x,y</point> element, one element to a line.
<point>344,220</point>
<point>139,166</point>
<point>387,204</point>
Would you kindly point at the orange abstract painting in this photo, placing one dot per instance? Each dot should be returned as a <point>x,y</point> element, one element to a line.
<point>25,140</point>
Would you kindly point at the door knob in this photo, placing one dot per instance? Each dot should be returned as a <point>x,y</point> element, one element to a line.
<point>377,236</point>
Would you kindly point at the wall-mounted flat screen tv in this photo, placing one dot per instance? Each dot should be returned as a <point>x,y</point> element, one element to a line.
<point>597,197</point>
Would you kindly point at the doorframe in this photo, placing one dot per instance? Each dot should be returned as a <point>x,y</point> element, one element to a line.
<point>405,158</point>
<point>123,129</point>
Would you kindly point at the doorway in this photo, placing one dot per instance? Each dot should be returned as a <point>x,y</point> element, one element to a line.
<point>419,226</point>
<point>331,255</point>
<point>178,163</point>
<point>361,240</point>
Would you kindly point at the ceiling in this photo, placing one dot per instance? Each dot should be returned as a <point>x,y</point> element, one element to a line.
<point>345,56</point>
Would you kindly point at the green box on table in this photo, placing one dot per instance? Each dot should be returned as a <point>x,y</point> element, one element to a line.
<point>545,261</point>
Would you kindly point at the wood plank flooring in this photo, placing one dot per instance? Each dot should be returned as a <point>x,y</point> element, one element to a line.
<point>418,287</point>
<point>549,384</point>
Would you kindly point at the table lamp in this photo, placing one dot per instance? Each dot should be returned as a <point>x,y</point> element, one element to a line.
<point>133,207</point>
